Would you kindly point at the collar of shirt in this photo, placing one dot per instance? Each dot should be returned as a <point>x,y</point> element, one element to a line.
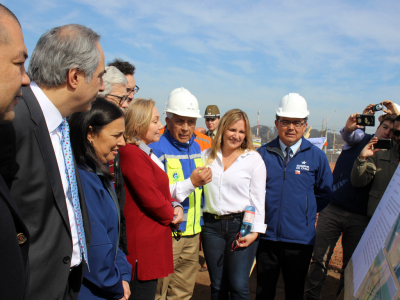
<point>245,153</point>
<point>146,149</point>
<point>51,114</point>
<point>294,147</point>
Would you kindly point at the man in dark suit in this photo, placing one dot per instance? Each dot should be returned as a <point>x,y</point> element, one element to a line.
<point>14,236</point>
<point>66,71</point>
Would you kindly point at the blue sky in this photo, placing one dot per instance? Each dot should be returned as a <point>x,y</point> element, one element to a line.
<point>339,55</point>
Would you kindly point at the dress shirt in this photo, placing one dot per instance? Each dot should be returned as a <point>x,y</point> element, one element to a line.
<point>180,190</point>
<point>53,120</point>
<point>352,138</point>
<point>211,134</point>
<point>294,147</point>
<point>242,184</point>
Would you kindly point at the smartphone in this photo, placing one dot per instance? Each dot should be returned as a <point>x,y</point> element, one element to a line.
<point>366,120</point>
<point>383,144</point>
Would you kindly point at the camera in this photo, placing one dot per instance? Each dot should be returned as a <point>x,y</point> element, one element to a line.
<point>377,107</point>
<point>365,120</point>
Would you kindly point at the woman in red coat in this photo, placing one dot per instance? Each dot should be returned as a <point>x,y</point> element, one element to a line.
<point>149,208</point>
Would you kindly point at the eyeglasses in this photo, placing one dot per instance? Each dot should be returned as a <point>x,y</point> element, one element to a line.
<point>134,90</point>
<point>234,243</point>
<point>396,132</point>
<point>296,124</point>
<point>122,99</point>
<point>177,234</point>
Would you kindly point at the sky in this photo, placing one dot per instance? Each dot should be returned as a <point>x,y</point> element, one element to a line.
<point>339,55</point>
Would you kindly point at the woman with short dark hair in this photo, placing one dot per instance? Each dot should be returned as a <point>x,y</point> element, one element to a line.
<point>96,137</point>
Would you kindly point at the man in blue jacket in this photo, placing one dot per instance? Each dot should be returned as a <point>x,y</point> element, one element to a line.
<point>347,211</point>
<point>181,156</point>
<point>299,184</point>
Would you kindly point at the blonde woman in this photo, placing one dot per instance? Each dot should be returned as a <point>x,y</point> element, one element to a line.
<point>149,208</point>
<point>239,177</point>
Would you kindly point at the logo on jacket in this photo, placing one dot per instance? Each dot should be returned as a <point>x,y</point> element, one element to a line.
<point>303,167</point>
<point>175,176</point>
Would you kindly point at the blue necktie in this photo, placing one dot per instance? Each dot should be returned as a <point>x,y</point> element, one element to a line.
<point>73,187</point>
<point>288,151</point>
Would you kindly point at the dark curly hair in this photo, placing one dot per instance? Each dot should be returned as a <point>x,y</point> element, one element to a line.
<point>125,67</point>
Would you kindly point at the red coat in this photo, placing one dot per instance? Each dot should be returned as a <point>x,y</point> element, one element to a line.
<point>148,212</point>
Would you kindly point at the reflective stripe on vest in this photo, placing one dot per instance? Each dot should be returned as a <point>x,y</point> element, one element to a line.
<point>203,140</point>
<point>191,156</point>
<point>195,212</point>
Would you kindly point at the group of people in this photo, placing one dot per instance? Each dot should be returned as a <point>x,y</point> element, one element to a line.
<point>99,200</point>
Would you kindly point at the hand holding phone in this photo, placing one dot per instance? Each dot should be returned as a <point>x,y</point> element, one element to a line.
<point>383,144</point>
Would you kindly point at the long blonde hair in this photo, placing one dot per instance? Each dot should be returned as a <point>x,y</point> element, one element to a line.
<point>228,119</point>
<point>137,120</point>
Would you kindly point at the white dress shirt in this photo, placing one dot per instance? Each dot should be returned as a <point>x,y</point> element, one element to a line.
<point>53,120</point>
<point>242,184</point>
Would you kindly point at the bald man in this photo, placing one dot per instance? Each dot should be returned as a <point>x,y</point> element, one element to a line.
<point>14,236</point>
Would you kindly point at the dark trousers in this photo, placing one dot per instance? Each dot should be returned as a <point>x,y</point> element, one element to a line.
<point>294,259</point>
<point>229,270</point>
<point>332,222</point>
<point>142,289</point>
<point>74,282</point>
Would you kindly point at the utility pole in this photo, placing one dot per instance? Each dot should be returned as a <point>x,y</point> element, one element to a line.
<point>326,130</point>
<point>334,137</point>
<point>258,123</point>
<point>322,128</point>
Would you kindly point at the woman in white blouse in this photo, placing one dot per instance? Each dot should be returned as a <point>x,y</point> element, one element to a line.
<point>239,177</point>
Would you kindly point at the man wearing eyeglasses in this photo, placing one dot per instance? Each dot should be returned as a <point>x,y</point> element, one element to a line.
<point>128,70</point>
<point>299,187</point>
<point>376,167</point>
<point>347,212</point>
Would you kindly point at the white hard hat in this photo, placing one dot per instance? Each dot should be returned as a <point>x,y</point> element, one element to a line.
<point>182,103</point>
<point>292,106</point>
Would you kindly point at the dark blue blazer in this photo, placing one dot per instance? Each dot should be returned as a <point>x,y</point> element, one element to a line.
<point>107,263</point>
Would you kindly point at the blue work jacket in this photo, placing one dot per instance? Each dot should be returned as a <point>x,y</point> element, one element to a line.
<point>168,147</point>
<point>107,263</point>
<point>295,193</point>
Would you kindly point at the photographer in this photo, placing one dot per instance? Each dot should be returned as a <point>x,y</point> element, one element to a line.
<point>347,211</point>
<point>376,167</point>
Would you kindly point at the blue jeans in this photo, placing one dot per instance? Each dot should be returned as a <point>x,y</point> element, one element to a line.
<point>229,271</point>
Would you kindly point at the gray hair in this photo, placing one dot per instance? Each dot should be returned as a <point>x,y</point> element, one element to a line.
<point>113,76</point>
<point>61,49</point>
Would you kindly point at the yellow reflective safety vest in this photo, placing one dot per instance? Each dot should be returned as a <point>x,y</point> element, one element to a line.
<point>194,213</point>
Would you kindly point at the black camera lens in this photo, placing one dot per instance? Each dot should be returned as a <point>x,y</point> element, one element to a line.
<point>377,107</point>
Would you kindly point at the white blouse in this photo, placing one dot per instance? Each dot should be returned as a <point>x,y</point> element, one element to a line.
<point>242,184</point>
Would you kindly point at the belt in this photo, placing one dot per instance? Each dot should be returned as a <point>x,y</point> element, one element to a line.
<point>223,217</point>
